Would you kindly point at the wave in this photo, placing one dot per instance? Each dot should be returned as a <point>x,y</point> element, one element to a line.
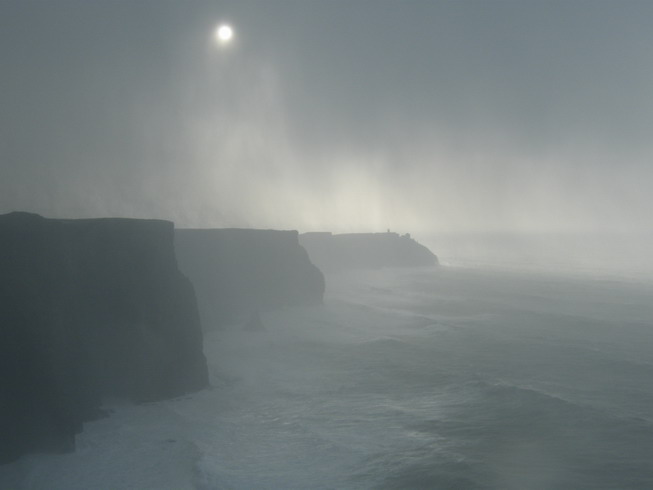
<point>497,424</point>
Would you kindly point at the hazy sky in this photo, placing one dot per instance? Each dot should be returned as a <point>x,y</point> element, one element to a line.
<point>340,115</point>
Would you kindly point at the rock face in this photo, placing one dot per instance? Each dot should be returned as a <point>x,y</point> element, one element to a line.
<point>237,272</point>
<point>365,251</point>
<point>89,308</point>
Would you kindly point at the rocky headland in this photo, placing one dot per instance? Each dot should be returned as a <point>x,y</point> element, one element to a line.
<point>88,309</point>
<point>239,272</point>
<point>333,252</point>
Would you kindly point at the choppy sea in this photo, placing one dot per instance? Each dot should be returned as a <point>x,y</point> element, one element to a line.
<point>459,377</point>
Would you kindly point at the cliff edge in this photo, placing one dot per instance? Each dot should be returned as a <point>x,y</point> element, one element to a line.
<point>237,272</point>
<point>89,308</point>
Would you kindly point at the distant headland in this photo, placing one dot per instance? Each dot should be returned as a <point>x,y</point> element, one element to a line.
<point>331,252</point>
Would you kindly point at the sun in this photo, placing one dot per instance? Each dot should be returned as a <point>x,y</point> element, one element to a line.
<point>224,33</point>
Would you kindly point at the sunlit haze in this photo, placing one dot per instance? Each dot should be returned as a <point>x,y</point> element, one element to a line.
<point>480,116</point>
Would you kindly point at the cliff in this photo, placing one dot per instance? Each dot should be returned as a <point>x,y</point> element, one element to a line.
<point>89,308</point>
<point>365,251</point>
<point>237,272</point>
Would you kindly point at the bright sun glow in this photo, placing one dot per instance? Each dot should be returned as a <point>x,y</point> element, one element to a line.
<point>224,33</point>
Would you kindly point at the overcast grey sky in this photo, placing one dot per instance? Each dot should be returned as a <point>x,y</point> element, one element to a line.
<point>342,115</point>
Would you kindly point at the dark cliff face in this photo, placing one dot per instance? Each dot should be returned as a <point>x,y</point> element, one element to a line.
<point>89,308</point>
<point>239,271</point>
<point>365,251</point>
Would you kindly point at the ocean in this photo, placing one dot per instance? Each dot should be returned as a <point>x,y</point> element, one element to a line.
<point>465,376</point>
